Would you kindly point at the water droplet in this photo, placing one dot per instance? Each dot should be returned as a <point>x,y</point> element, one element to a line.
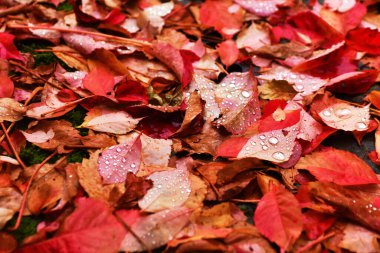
<point>273,140</point>
<point>343,112</point>
<point>133,165</point>
<point>262,137</point>
<point>107,162</point>
<point>361,126</point>
<point>278,156</point>
<point>264,147</point>
<point>326,113</point>
<point>245,94</point>
<point>118,149</point>
<point>159,186</point>
<point>299,87</point>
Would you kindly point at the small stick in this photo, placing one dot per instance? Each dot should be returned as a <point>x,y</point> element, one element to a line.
<point>315,242</point>
<point>111,37</point>
<point>25,194</point>
<point>11,146</point>
<point>246,200</point>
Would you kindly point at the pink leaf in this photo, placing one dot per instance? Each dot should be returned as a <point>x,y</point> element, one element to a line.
<point>228,52</point>
<point>261,7</point>
<point>91,228</point>
<point>278,217</point>
<point>153,230</point>
<point>116,161</point>
<point>180,61</point>
<point>238,101</point>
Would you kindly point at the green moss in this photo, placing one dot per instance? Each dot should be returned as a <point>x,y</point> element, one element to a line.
<point>31,154</point>
<point>28,227</point>
<point>76,118</point>
<point>77,156</point>
<point>40,58</point>
<point>65,6</point>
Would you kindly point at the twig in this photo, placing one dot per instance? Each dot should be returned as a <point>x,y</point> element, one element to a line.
<point>315,242</point>
<point>25,194</point>
<point>129,41</point>
<point>64,107</point>
<point>15,153</point>
<point>246,200</point>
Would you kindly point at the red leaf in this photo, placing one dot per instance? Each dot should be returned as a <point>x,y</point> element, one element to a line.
<point>365,40</point>
<point>7,86</point>
<point>115,17</point>
<point>316,223</point>
<point>131,91</point>
<point>217,14</point>
<point>7,49</point>
<point>278,217</point>
<point>90,228</point>
<point>374,98</point>
<point>231,147</point>
<point>180,61</point>
<point>335,61</point>
<point>338,166</point>
<point>66,95</point>
<point>116,161</point>
<point>100,81</point>
<point>353,82</point>
<point>320,32</point>
<point>228,52</point>
<point>269,123</point>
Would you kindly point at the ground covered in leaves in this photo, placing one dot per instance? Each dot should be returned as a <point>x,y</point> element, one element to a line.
<point>201,126</point>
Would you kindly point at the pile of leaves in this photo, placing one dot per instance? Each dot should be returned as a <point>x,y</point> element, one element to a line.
<point>188,126</point>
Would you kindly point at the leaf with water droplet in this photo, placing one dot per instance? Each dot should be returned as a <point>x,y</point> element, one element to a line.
<point>302,83</point>
<point>170,189</point>
<point>116,161</point>
<point>153,230</point>
<point>238,101</point>
<point>11,110</point>
<point>346,117</point>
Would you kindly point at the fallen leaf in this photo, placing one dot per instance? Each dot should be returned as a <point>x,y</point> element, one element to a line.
<point>10,200</point>
<point>106,120</point>
<point>91,181</point>
<point>338,166</point>
<point>116,161</point>
<point>237,97</point>
<point>90,228</point>
<point>153,230</point>
<point>170,189</point>
<point>11,110</point>
<point>278,217</point>
<point>359,239</point>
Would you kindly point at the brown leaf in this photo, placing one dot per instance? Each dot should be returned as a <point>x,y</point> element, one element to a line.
<point>355,203</point>
<point>10,202</point>
<point>11,110</point>
<point>135,189</point>
<point>64,134</point>
<point>45,192</point>
<point>276,90</point>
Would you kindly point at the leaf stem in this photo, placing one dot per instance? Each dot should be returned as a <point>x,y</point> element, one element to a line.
<point>14,151</point>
